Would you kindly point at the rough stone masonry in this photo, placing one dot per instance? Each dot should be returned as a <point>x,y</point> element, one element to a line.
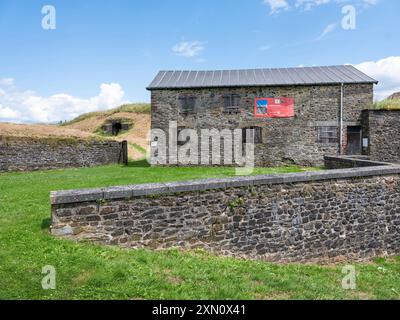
<point>284,141</point>
<point>332,215</point>
<point>29,154</point>
<point>381,128</point>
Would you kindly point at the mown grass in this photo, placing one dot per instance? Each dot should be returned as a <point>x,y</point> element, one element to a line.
<point>393,104</point>
<point>87,271</point>
<point>133,108</point>
<point>138,148</point>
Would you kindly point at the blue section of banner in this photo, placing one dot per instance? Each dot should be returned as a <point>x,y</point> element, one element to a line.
<point>262,103</point>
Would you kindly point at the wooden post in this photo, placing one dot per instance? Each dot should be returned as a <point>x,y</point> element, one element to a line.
<point>124,151</point>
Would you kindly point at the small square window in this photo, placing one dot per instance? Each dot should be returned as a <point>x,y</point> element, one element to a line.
<point>231,103</point>
<point>327,134</point>
<point>187,104</point>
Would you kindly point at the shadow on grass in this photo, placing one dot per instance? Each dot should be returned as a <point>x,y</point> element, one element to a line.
<point>46,223</point>
<point>138,164</point>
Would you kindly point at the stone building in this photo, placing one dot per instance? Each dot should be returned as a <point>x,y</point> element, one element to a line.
<point>297,115</point>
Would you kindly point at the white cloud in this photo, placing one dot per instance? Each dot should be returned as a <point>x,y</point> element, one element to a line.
<point>265,48</point>
<point>27,106</point>
<point>7,113</point>
<point>360,3</point>
<point>309,4</point>
<point>188,49</point>
<point>277,5</point>
<point>368,3</point>
<point>7,82</point>
<point>328,29</point>
<point>306,5</point>
<point>387,72</point>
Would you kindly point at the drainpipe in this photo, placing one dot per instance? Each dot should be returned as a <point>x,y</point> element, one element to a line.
<point>341,118</point>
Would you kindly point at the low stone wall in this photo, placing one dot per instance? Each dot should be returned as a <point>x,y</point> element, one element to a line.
<point>29,154</point>
<point>343,162</point>
<point>382,129</point>
<point>326,216</point>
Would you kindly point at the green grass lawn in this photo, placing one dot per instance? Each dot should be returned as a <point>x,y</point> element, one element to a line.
<point>86,271</point>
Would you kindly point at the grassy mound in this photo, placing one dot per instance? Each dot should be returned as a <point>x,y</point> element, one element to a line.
<point>393,104</point>
<point>139,108</point>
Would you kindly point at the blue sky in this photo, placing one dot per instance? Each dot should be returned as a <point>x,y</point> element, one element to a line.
<point>104,52</point>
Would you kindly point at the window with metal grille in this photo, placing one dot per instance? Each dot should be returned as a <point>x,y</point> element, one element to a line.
<point>255,132</point>
<point>231,103</point>
<point>187,104</point>
<point>327,135</point>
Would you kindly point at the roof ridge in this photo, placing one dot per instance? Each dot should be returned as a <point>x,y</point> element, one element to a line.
<point>246,69</point>
<point>313,75</point>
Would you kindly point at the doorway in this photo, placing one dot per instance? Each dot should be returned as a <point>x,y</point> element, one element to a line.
<point>354,138</point>
<point>116,128</point>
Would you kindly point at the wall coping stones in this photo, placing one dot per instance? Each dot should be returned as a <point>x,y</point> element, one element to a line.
<point>357,161</point>
<point>71,196</point>
<point>131,191</point>
<point>59,139</point>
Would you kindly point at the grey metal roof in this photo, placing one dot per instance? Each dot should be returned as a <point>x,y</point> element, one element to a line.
<point>259,77</point>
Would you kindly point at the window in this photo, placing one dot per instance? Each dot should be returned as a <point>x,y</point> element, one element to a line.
<point>255,131</point>
<point>327,134</point>
<point>187,104</point>
<point>231,103</point>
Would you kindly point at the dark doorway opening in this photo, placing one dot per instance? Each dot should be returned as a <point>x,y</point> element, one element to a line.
<point>354,138</point>
<point>116,128</point>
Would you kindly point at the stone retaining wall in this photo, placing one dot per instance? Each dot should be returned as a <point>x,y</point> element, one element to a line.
<point>382,129</point>
<point>29,154</point>
<point>343,162</point>
<point>313,216</point>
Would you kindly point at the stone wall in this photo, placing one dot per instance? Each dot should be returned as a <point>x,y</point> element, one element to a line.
<point>382,129</point>
<point>284,140</point>
<point>348,214</point>
<point>343,162</point>
<point>29,154</point>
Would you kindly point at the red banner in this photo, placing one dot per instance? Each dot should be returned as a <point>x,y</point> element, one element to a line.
<point>274,107</point>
